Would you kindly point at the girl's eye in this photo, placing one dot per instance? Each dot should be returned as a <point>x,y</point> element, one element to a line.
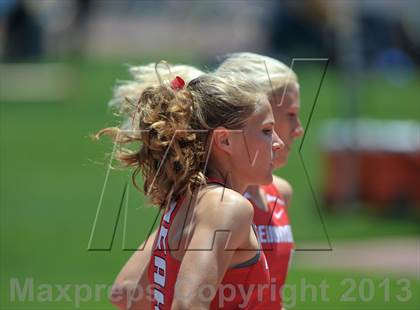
<point>267,131</point>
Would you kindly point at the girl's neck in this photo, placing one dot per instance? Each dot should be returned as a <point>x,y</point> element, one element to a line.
<point>254,194</point>
<point>228,180</point>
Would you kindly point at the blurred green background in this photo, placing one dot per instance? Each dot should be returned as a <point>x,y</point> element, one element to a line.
<point>53,174</point>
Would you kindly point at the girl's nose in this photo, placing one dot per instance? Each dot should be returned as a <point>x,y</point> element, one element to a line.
<point>298,131</point>
<point>277,142</point>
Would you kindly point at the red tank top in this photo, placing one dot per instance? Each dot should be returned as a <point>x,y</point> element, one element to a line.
<point>275,234</point>
<point>244,280</point>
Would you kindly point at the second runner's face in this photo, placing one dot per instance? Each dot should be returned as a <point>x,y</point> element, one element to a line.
<point>256,145</point>
<point>286,106</point>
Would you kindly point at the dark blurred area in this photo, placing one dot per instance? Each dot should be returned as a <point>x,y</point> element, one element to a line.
<point>23,35</point>
<point>386,31</point>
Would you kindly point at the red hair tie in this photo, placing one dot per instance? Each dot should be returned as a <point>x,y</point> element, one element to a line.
<point>177,83</point>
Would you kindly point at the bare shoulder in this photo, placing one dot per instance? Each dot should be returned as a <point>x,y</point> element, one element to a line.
<point>284,188</point>
<point>225,209</point>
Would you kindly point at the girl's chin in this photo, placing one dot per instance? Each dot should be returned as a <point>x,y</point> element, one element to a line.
<point>280,162</point>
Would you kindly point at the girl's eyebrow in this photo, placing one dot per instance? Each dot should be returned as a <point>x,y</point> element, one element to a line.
<point>270,122</point>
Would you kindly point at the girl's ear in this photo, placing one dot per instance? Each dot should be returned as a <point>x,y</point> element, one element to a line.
<point>222,140</point>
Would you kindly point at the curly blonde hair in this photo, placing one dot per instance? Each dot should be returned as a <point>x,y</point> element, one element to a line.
<point>126,94</point>
<point>174,129</point>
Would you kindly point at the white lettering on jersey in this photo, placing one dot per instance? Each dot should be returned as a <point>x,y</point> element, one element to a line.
<point>159,297</point>
<point>275,234</point>
<point>168,214</point>
<point>159,276</point>
<point>161,241</point>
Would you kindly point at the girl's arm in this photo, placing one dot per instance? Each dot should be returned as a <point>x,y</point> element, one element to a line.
<point>220,228</point>
<point>129,289</point>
